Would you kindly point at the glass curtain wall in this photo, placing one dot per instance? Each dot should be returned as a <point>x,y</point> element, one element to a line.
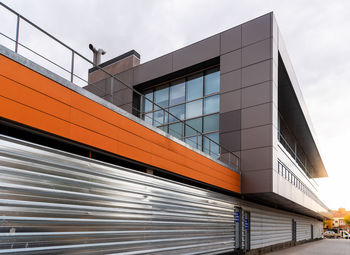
<point>194,99</point>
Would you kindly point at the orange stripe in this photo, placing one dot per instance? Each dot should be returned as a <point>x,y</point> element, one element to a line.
<point>32,99</point>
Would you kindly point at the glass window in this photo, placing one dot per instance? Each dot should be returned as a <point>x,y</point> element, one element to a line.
<point>178,112</point>
<point>211,104</point>
<point>161,96</point>
<point>194,87</point>
<point>192,126</point>
<point>148,117</point>
<point>176,129</point>
<point>194,109</point>
<point>212,81</point>
<point>211,123</point>
<point>211,146</point>
<point>194,141</point>
<point>147,104</point>
<point>177,92</point>
<point>160,117</point>
<point>164,128</point>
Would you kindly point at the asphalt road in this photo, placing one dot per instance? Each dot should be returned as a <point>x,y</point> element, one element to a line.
<point>322,247</point>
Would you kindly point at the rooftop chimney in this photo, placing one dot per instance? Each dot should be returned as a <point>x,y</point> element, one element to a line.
<point>113,66</point>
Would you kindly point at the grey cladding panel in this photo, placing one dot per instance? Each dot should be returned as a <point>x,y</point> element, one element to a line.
<point>257,52</point>
<point>256,30</point>
<point>231,39</point>
<point>231,140</point>
<point>196,53</point>
<point>257,115</point>
<point>153,69</point>
<point>257,137</point>
<point>230,81</point>
<point>230,61</point>
<point>230,121</point>
<point>256,159</point>
<point>257,181</point>
<point>230,101</point>
<point>257,94</point>
<point>257,73</point>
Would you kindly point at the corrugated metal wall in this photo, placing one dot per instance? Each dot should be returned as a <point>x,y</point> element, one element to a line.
<point>58,203</point>
<point>269,226</point>
<point>53,202</point>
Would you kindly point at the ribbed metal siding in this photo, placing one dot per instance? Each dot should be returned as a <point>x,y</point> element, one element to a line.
<point>59,203</point>
<point>304,229</point>
<point>269,228</point>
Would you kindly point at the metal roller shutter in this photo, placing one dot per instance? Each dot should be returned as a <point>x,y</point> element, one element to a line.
<point>303,229</point>
<point>269,228</point>
<point>59,203</point>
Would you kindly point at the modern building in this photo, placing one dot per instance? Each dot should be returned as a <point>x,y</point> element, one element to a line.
<point>206,150</point>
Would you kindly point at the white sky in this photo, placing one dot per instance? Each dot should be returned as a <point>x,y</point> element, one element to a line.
<point>316,33</point>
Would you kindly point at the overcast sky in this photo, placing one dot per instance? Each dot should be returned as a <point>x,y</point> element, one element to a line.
<point>316,34</point>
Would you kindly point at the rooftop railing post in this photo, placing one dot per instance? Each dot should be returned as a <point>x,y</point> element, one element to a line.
<point>17,34</point>
<point>72,68</point>
<point>209,147</point>
<point>112,91</point>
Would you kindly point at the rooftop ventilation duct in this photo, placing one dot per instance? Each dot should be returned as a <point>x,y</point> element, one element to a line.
<point>97,54</point>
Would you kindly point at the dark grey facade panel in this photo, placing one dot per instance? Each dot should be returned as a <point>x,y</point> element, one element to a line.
<point>196,53</point>
<point>257,159</point>
<point>257,52</point>
<point>257,181</point>
<point>257,94</point>
<point>231,140</point>
<point>257,29</point>
<point>256,137</point>
<point>153,69</point>
<point>231,61</point>
<point>230,121</point>
<point>231,81</point>
<point>257,115</point>
<point>231,40</point>
<point>257,73</point>
<point>230,101</point>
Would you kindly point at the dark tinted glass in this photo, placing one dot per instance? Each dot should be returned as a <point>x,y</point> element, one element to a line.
<point>194,87</point>
<point>177,92</point>
<point>212,81</point>
<point>211,145</point>
<point>147,104</point>
<point>161,96</point>
<point>178,112</point>
<point>192,125</point>
<point>194,109</point>
<point>211,104</point>
<point>211,123</point>
<point>176,129</point>
<point>194,141</point>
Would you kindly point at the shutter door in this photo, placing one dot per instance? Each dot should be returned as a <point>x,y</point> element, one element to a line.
<point>54,202</point>
<point>269,228</point>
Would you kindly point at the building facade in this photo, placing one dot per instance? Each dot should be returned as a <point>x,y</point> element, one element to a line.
<point>206,150</point>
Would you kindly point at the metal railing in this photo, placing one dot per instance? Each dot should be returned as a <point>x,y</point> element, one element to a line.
<point>214,149</point>
<point>292,152</point>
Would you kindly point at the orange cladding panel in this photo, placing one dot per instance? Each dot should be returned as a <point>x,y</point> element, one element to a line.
<point>34,100</point>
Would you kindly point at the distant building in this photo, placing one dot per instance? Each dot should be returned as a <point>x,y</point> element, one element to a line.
<point>337,220</point>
